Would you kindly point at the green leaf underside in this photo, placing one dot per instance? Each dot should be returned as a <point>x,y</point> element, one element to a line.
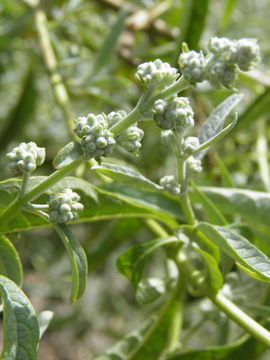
<point>250,259</point>
<point>127,176</point>
<point>21,328</point>
<point>149,341</point>
<point>214,124</point>
<point>252,205</point>
<point>110,205</point>
<point>78,261</point>
<point>68,154</point>
<point>10,263</point>
<point>131,262</point>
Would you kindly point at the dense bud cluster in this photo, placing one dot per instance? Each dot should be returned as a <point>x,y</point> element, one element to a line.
<point>129,139</point>
<point>174,114</point>
<point>169,183</point>
<point>190,145</point>
<point>97,139</point>
<point>156,72</point>
<point>64,206</point>
<point>25,158</point>
<point>194,165</point>
<point>219,67</point>
<point>193,66</point>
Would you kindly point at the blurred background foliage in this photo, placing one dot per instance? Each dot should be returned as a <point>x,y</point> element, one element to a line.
<point>98,45</point>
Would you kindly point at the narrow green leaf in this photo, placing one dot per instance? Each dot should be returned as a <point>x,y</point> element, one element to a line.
<point>22,111</point>
<point>10,263</point>
<point>204,147</point>
<point>252,205</point>
<point>258,108</point>
<point>77,258</point>
<point>105,53</point>
<point>127,176</point>
<point>116,202</point>
<point>212,212</point>
<point>21,329</point>
<point>72,151</point>
<point>247,256</point>
<point>193,22</point>
<point>214,124</point>
<point>131,262</point>
<point>149,341</point>
<point>226,177</point>
<point>227,13</point>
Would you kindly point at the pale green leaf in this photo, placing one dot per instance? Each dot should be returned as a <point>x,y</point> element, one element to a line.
<point>214,124</point>
<point>21,328</point>
<point>72,151</point>
<point>252,205</point>
<point>127,175</point>
<point>247,256</point>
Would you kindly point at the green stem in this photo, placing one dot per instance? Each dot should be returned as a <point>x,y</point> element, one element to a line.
<point>194,276</point>
<point>177,321</point>
<point>241,318</point>
<point>155,227</point>
<point>59,89</point>
<point>13,207</point>
<point>146,103</point>
<point>134,116</point>
<point>175,88</point>
<point>25,181</point>
<point>187,208</point>
<point>184,197</point>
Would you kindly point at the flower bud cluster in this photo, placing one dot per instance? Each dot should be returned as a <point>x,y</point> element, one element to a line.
<point>64,206</point>
<point>169,183</point>
<point>97,139</point>
<point>174,114</point>
<point>193,66</point>
<point>129,139</point>
<point>156,73</point>
<point>194,165</point>
<point>219,67</point>
<point>190,145</point>
<point>25,158</point>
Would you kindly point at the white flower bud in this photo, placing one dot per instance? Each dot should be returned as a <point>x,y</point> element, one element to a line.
<point>248,54</point>
<point>156,73</point>
<point>97,139</point>
<point>194,165</point>
<point>114,117</point>
<point>224,48</point>
<point>130,139</point>
<point>190,145</point>
<point>64,206</point>
<point>174,114</point>
<point>193,66</point>
<point>169,183</point>
<point>220,73</point>
<point>25,158</point>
